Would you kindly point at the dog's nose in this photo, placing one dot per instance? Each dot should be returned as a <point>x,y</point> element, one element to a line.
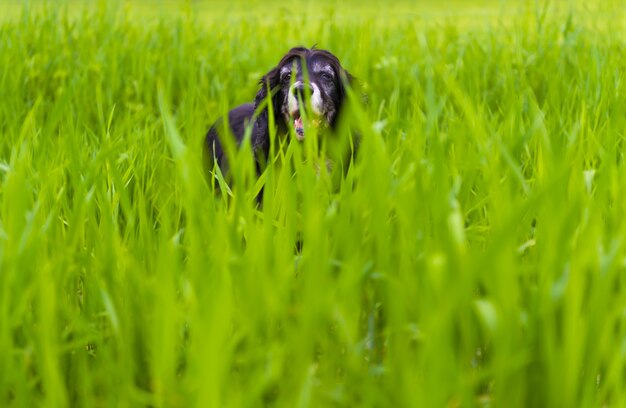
<point>301,90</point>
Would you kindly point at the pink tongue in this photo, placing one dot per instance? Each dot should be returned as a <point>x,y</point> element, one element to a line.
<point>297,123</point>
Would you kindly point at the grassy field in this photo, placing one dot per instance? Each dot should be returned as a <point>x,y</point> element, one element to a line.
<point>473,255</point>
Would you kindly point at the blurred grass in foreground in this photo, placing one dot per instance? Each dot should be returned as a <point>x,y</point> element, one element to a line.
<point>474,254</point>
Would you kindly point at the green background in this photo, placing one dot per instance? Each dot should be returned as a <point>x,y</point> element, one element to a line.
<point>472,255</point>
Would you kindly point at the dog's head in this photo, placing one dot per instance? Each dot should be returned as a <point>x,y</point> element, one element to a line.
<point>304,78</point>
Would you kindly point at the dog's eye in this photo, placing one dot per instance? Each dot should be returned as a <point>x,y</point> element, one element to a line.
<point>287,77</point>
<point>326,76</point>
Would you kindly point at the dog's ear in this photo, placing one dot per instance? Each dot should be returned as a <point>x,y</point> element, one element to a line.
<point>267,94</point>
<point>269,80</point>
<point>267,86</point>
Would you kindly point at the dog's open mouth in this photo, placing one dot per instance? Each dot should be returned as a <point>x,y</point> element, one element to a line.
<point>298,126</point>
<point>298,123</point>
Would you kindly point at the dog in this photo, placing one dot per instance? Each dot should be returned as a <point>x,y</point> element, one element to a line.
<point>304,78</point>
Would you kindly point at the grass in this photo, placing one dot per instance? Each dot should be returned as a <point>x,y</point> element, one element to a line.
<point>473,255</point>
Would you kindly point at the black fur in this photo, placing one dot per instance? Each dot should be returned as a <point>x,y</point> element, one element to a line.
<point>279,81</point>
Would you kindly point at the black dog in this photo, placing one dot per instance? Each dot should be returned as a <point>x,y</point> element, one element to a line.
<point>320,85</point>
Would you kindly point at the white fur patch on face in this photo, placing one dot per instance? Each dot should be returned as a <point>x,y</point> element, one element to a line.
<point>316,99</point>
<point>292,101</point>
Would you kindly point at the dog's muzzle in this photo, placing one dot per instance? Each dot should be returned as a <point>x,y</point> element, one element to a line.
<point>298,94</point>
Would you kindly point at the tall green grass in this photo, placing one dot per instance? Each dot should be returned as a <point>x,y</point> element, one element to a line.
<point>472,255</point>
